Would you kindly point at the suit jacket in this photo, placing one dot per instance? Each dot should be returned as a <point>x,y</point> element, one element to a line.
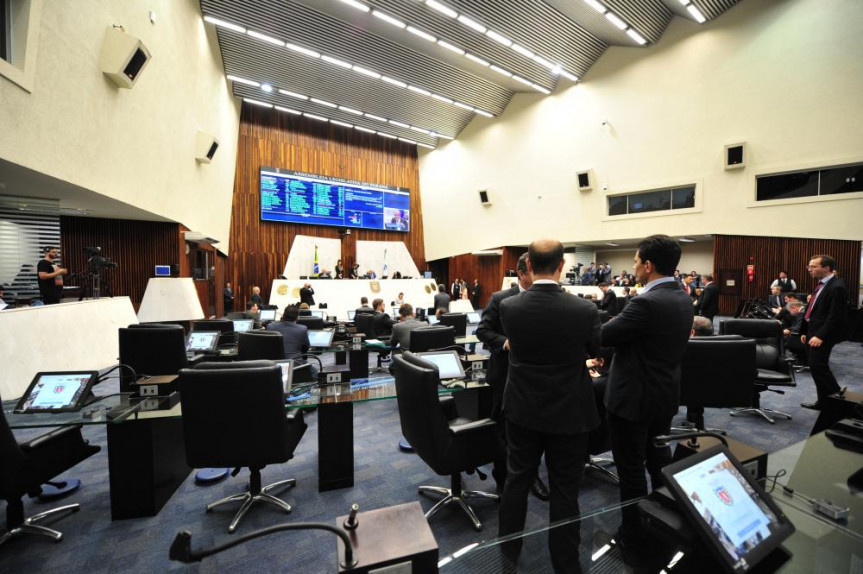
<point>609,302</point>
<point>307,296</point>
<point>294,335</point>
<point>401,336</point>
<point>364,309</point>
<point>441,300</point>
<point>490,332</point>
<point>383,324</point>
<point>550,334</point>
<point>708,304</point>
<point>649,337</point>
<point>775,301</point>
<point>829,313</point>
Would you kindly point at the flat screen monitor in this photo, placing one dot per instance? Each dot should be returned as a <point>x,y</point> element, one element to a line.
<point>267,315</point>
<point>163,270</point>
<point>427,274</point>
<point>351,314</point>
<point>287,366</point>
<point>447,362</point>
<point>322,315</point>
<point>243,325</point>
<point>394,311</point>
<point>473,317</point>
<point>320,338</point>
<point>299,197</point>
<point>732,514</point>
<point>202,341</point>
<point>57,392</point>
<point>433,320</point>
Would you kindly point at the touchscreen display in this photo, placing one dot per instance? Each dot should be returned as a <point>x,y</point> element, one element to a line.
<point>447,362</point>
<point>203,340</point>
<point>268,315</point>
<point>320,338</point>
<point>57,391</point>
<point>286,367</point>
<point>473,317</point>
<point>243,325</point>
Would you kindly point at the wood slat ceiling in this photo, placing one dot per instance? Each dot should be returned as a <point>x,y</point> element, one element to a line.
<point>567,33</point>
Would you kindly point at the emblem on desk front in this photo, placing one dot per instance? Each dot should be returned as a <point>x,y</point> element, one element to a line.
<point>295,293</point>
<point>428,289</point>
<point>282,290</point>
<point>376,286</point>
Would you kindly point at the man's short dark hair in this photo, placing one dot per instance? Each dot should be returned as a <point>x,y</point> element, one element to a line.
<point>441,288</point>
<point>702,326</point>
<point>545,256</point>
<point>49,248</point>
<point>522,263</point>
<point>364,300</point>
<point>291,313</point>
<point>826,261</point>
<point>376,303</point>
<point>406,310</point>
<point>603,284</point>
<point>707,277</point>
<point>662,251</point>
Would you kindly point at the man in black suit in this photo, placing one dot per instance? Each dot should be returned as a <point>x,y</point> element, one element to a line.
<point>708,303</point>
<point>475,294</point>
<point>456,289</point>
<point>548,400</point>
<point>307,294</point>
<point>824,325</point>
<point>643,393</point>
<point>609,299</point>
<point>383,322</point>
<point>441,299</point>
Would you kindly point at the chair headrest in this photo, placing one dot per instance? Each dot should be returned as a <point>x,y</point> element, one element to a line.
<point>757,328</point>
<point>236,365</point>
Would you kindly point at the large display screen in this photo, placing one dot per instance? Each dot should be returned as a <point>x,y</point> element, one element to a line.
<point>298,197</point>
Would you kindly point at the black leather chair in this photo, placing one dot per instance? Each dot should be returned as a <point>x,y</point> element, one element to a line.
<point>365,323</point>
<point>252,346</point>
<point>312,322</point>
<point>249,397</point>
<point>599,439</point>
<point>448,444</point>
<point>25,467</point>
<point>151,350</point>
<point>432,337</point>
<point>458,321</point>
<point>774,368</point>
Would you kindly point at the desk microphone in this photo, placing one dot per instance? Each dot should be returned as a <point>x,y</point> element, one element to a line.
<point>352,522</point>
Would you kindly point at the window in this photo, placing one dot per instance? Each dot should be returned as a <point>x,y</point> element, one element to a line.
<point>653,200</point>
<point>810,183</point>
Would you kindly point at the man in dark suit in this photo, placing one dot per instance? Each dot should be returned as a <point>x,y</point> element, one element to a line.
<point>307,294</point>
<point>643,393</point>
<point>441,299</point>
<point>364,307</point>
<point>548,400</point>
<point>295,336</point>
<point>475,294</point>
<point>383,322</point>
<point>776,300</point>
<point>824,325</point>
<point>708,303</point>
<point>609,299</point>
<point>456,289</point>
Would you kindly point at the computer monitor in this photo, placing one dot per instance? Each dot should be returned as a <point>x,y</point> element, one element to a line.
<point>202,341</point>
<point>320,338</point>
<point>394,311</point>
<point>163,270</point>
<point>322,315</point>
<point>57,392</point>
<point>732,514</point>
<point>432,319</point>
<point>447,362</point>
<point>473,317</point>
<point>287,366</point>
<point>427,274</point>
<point>267,315</point>
<point>351,314</point>
<point>243,325</point>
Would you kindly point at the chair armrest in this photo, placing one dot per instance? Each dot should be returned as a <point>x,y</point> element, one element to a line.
<point>481,425</point>
<point>44,439</point>
<point>447,404</point>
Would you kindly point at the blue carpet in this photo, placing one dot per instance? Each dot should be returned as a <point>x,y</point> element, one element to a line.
<point>384,477</point>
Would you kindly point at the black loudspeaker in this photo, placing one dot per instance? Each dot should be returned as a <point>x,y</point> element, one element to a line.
<point>585,180</point>
<point>484,197</point>
<point>123,57</point>
<point>205,147</point>
<point>735,156</point>
<point>175,270</point>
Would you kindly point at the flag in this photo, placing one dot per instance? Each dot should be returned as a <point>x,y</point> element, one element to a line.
<point>385,273</point>
<point>316,270</point>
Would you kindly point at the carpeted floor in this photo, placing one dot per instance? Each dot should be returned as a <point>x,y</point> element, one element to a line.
<point>384,476</point>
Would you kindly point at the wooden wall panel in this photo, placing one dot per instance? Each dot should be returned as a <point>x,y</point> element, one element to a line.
<point>270,138</point>
<point>772,254</point>
<point>136,246</point>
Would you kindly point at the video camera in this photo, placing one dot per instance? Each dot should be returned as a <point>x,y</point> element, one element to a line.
<point>96,261</point>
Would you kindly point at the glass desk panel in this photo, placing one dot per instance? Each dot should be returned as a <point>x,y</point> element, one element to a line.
<point>94,413</point>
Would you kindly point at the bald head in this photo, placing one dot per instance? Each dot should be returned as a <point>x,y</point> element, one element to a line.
<point>545,257</point>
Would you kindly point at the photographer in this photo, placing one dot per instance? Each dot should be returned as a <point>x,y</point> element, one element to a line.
<point>50,276</point>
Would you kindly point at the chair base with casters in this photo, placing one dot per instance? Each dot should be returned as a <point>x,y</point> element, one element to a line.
<point>600,464</point>
<point>756,408</point>
<point>29,526</point>
<point>256,493</point>
<point>455,495</point>
<point>56,489</point>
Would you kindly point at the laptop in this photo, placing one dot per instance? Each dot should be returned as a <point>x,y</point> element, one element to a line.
<point>267,315</point>
<point>321,339</point>
<point>243,325</point>
<point>57,392</point>
<point>351,314</point>
<point>448,363</point>
<point>202,342</point>
<point>432,319</point>
<point>473,317</point>
<point>732,514</point>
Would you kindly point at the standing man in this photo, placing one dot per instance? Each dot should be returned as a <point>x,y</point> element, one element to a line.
<point>548,400</point>
<point>708,303</point>
<point>256,296</point>
<point>228,296</point>
<point>824,325</point>
<point>50,276</point>
<point>455,289</point>
<point>609,299</point>
<point>441,299</point>
<point>307,294</point>
<point>475,294</point>
<point>785,283</point>
<point>643,390</point>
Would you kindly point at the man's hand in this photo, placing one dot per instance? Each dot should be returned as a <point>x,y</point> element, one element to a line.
<point>506,345</point>
<point>815,342</point>
<point>61,271</point>
<point>786,332</point>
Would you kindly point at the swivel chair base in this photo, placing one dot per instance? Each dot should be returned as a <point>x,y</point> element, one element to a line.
<point>764,412</point>
<point>458,496</point>
<point>255,494</point>
<point>600,464</point>
<point>29,525</point>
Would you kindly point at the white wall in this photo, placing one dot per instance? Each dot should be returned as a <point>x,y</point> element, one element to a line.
<point>786,76</point>
<point>138,145</point>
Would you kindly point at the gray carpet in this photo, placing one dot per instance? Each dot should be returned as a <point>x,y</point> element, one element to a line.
<point>384,476</point>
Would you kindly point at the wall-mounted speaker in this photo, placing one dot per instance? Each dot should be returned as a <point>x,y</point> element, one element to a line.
<point>205,147</point>
<point>124,57</point>
<point>735,155</point>
<point>484,197</point>
<point>585,180</point>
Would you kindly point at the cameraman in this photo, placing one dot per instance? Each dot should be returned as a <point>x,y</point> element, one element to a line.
<point>50,276</point>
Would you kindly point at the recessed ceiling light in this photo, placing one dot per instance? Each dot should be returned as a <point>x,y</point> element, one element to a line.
<point>612,17</point>
<point>523,51</point>
<point>499,38</point>
<point>223,24</point>
<point>419,90</point>
<point>442,98</point>
<point>478,60</point>
<point>394,82</point>
<point>450,47</point>
<point>344,124</point>
<point>539,88</point>
<point>407,141</point>
<point>293,94</point>
<point>386,135</point>
<point>258,103</point>
<point>336,62</point>
<point>243,81</point>
<point>324,103</point>
<point>543,62</point>
<point>302,50</point>
<point>367,130</point>
<point>696,13</point>
<point>267,88</point>
<point>613,244</point>
<point>399,124</point>
<point>420,130</point>
<point>289,110</point>
<point>389,19</point>
<point>596,6</point>
<point>686,240</point>
<point>483,113</point>
<point>522,80</point>
<point>636,36</point>
<point>373,117</point>
<point>473,24</point>
<point>314,117</point>
<point>500,70</point>
<point>444,137</point>
<point>265,38</point>
<point>421,34</point>
<point>350,110</point>
<point>568,76</point>
<point>365,72</point>
<point>357,5</point>
<point>446,10</point>
<point>426,145</point>
<point>464,106</point>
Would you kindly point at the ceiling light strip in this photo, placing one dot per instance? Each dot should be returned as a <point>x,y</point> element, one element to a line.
<point>619,22</point>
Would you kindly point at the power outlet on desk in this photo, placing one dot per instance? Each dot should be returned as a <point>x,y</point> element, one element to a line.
<point>149,390</point>
<point>476,366</point>
<point>751,468</point>
<point>334,377</point>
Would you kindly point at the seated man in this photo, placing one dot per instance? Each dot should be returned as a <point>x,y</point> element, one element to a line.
<point>383,322</point>
<point>364,306</point>
<point>701,327</point>
<point>796,310</point>
<point>401,336</point>
<point>253,313</point>
<point>295,336</point>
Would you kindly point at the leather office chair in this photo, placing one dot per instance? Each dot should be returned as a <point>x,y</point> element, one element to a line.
<point>235,316</point>
<point>365,323</point>
<point>151,350</point>
<point>252,346</point>
<point>448,445</point>
<point>431,338</point>
<point>312,322</point>
<point>458,321</point>
<point>249,395</point>
<point>774,368</point>
<point>599,440</point>
<point>25,467</point>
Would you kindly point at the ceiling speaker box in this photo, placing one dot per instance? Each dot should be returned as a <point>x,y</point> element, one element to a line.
<point>585,180</point>
<point>484,197</point>
<point>123,57</point>
<point>735,155</point>
<point>205,147</point>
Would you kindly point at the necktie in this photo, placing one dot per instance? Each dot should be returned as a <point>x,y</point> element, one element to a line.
<point>814,296</point>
